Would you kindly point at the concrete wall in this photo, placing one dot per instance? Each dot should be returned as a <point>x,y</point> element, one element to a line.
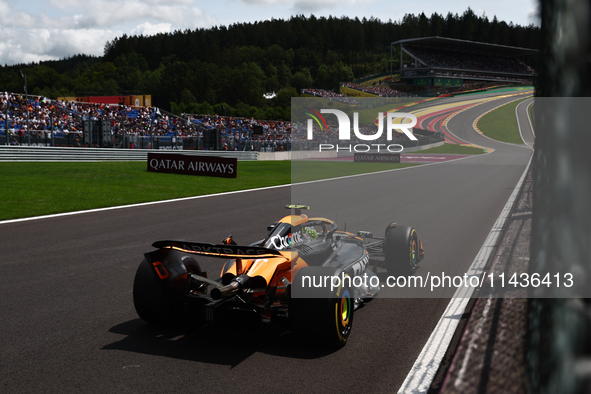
<point>296,155</point>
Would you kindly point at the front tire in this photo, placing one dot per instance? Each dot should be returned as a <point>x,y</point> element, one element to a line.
<point>324,317</point>
<point>401,250</point>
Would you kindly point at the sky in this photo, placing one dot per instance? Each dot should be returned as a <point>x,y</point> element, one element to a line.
<point>37,30</point>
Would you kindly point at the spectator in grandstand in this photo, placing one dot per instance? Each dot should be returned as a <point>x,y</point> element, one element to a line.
<point>52,117</point>
<point>378,91</point>
<point>330,95</point>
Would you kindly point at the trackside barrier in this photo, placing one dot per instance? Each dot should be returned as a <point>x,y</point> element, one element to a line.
<point>35,153</point>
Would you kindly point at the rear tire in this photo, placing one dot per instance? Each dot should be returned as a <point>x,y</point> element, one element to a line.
<point>151,303</point>
<point>325,317</point>
<point>401,250</point>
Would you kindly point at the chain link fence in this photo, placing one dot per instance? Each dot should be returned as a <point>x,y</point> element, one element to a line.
<point>559,339</point>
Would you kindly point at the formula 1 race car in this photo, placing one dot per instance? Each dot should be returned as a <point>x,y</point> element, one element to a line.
<point>304,273</point>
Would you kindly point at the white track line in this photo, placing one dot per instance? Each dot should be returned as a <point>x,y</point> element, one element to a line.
<point>423,371</point>
<point>529,118</point>
<point>143,204</point>
<point>527,115</point>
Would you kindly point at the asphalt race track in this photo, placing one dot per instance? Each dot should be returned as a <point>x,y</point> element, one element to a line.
<point>69,325</point>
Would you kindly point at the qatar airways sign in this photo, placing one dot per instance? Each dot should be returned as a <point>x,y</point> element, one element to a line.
<point>224,167</point>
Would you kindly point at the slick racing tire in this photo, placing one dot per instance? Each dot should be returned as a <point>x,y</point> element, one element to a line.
<point>401,250</point>
<point>151,303</point>
<point>324,316</point>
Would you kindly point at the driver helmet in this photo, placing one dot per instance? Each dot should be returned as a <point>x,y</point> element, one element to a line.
<point>310,231</point>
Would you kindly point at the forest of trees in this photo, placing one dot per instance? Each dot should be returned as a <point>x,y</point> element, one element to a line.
<point>205,70</point>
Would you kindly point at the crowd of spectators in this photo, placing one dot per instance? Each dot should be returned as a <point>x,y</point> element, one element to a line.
<point>322,93</point>
<point>42,115</point>
<point>235,132</point>
<point>330,95</point>
<point>39,116</point>
<point>381,91</point>
<point>469,61</point>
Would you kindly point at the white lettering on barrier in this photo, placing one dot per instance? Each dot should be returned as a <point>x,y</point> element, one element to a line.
<point>162,164</point>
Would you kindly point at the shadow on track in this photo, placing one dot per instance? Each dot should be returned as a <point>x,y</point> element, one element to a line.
<point>214,344</point>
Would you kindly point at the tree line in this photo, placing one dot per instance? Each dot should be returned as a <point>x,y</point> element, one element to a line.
<point>229,68</point>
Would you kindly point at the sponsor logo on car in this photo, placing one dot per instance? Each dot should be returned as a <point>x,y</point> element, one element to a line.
<point>283,242</point>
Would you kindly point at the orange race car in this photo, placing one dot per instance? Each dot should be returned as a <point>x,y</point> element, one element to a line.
<point>304,273</point>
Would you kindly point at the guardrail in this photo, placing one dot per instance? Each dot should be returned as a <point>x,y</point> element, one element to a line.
<point>47,153</point>
<point>41,153</point>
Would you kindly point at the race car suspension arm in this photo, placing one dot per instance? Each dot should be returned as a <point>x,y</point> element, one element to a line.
<point>205,280</point>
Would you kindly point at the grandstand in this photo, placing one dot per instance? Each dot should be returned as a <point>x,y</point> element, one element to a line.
<point>37,120</point>
<point>449,64</point>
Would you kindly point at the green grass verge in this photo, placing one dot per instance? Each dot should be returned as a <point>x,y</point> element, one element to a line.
<point>453,149</point>
<point>501,124</point>
<point>34,189</point>
<point>355,93</point>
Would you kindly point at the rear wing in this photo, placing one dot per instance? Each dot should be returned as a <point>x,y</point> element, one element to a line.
<point>221,251</point>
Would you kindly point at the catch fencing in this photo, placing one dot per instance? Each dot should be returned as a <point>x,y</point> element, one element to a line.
<point>76,140</point>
